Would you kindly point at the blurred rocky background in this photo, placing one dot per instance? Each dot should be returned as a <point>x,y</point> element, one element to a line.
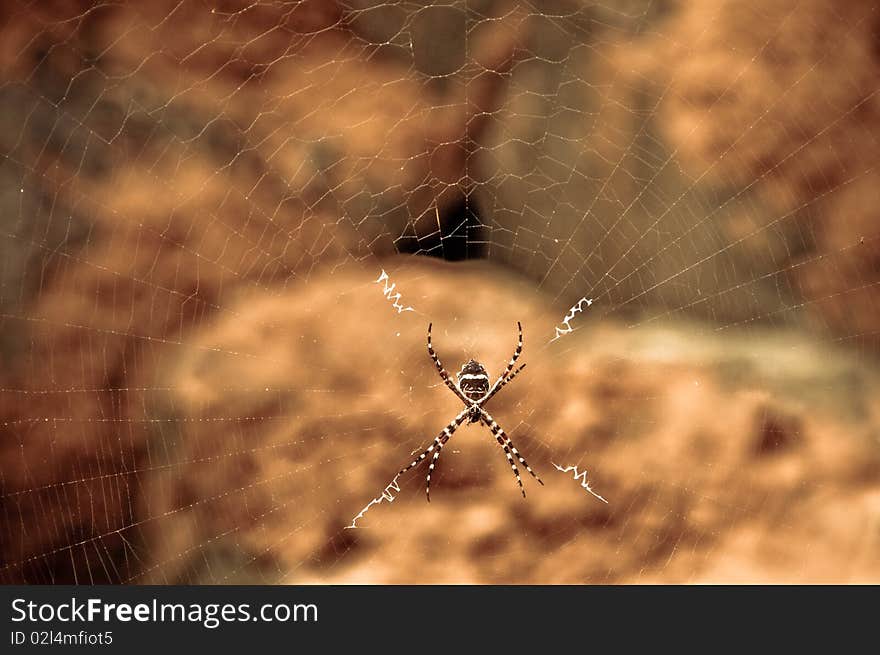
<point>201,380</point>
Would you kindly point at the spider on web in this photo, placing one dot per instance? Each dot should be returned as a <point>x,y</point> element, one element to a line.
<point>473,390</point>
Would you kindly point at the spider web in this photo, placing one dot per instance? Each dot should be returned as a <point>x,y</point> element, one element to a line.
<point>226,227</point>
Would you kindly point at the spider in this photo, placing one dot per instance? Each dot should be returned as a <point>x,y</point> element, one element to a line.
<point>474,391</point>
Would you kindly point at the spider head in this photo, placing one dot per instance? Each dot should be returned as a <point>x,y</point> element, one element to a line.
<point>473,380</point>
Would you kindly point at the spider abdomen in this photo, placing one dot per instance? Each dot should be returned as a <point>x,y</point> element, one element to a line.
<point>473,380</point>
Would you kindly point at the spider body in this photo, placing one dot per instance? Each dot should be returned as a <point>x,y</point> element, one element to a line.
<point>474,391</point>
<point>474,384</point>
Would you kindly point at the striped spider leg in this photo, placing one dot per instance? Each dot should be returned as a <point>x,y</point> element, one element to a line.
<point>443,374</point>
<point>439,441</point>
<point>504,379</point>
<point>472,388</point>
<point>508,447</point>
<point>499,387</point>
